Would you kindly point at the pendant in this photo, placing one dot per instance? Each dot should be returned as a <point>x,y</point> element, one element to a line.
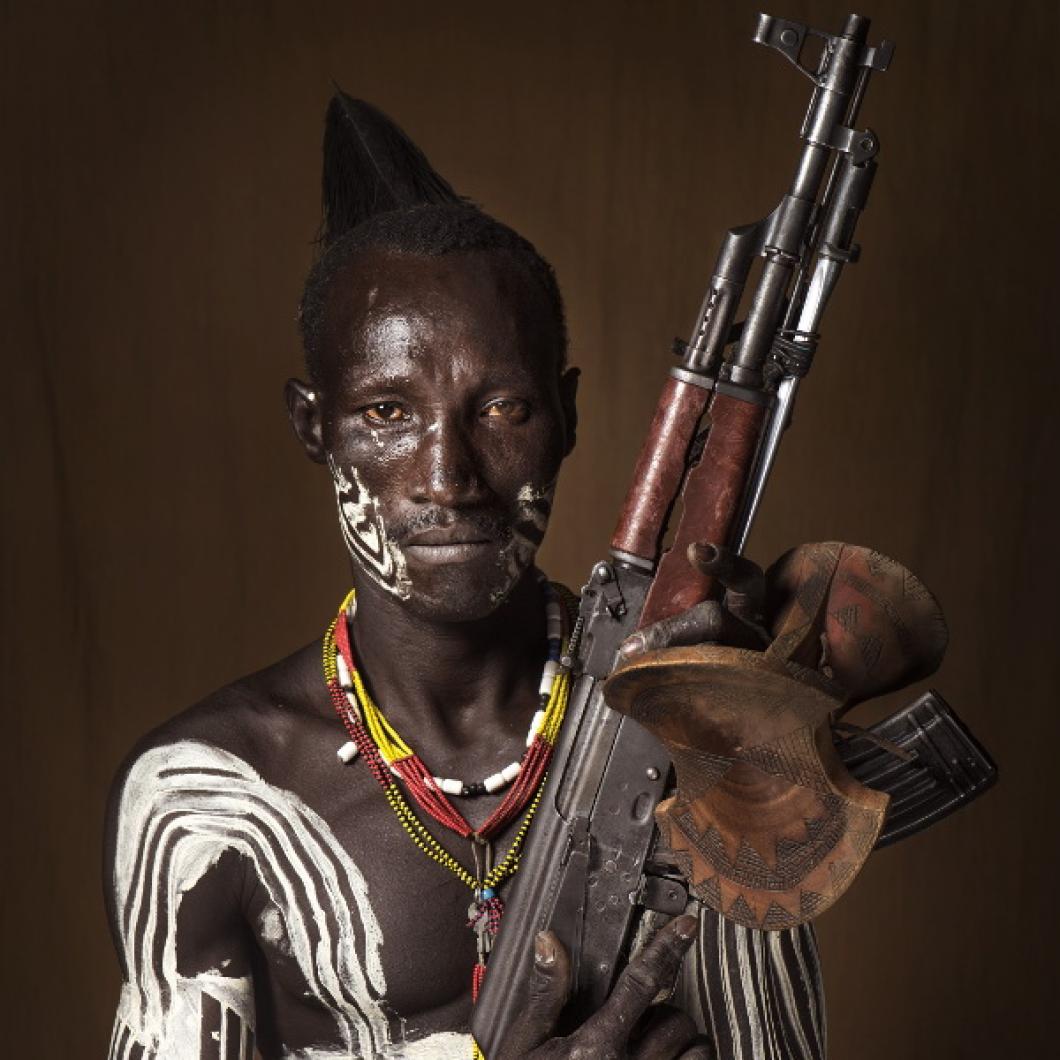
<point>478,913</point>
<point>478,920</point>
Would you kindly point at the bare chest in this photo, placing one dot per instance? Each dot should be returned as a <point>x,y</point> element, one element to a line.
<point>354,917</point>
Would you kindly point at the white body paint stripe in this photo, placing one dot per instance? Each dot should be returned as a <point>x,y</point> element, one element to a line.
<point>447,1045</point>
<point>182,807</point>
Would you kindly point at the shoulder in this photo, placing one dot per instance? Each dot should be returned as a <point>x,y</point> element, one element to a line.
<point>219,756</point>
<point>257,719</point>
<point>200,793</point>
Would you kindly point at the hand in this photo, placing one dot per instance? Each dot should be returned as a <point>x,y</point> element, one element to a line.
<point>736,622</point>
<point>627,1024</point>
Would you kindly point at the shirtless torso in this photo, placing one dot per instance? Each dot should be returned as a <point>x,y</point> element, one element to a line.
<point>255,869</point>
<point>260,889</point>
<point>263,890</point>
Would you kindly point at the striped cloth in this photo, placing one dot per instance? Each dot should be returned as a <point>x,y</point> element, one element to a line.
<point>757,995</point>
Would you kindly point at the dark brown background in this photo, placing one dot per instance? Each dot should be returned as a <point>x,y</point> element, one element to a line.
<point>163,535</point>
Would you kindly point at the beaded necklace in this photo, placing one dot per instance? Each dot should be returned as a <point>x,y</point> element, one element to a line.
<point>387,757</point>
<point>428,790</point>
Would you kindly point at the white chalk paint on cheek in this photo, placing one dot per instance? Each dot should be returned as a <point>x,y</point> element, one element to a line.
<point>531,498</point>
<point>365,533</point>
<point>534,506</point>
<point>182,807</point>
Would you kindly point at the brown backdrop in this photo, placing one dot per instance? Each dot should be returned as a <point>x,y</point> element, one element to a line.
<point>163,535</point>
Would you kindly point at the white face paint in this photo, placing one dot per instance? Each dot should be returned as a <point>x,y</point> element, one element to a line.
<point>534,509</point>
<point>182,807</point>
<point>365,533</point>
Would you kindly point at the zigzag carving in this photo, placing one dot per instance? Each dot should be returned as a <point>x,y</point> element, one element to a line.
<point>794,859</point>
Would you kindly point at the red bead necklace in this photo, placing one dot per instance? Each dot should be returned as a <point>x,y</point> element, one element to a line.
<point>388,757</point>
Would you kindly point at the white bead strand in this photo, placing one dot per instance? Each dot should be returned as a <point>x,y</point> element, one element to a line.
<point>501,779</point>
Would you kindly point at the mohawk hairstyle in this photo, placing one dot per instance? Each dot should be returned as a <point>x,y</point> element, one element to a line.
<point>371,167</point>
<point>379,192</point>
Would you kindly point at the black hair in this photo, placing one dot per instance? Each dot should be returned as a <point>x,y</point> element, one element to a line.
<point>429,230</point>
<point>379,192</point>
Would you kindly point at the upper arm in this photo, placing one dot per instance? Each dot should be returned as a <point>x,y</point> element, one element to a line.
<point>174,881</point>
<point>758,994</point>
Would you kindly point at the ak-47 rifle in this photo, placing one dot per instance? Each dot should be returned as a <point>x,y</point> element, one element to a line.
<point>588,872</point>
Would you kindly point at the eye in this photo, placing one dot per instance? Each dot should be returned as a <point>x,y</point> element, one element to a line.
<point>384,412</point>
<point>510,409</point>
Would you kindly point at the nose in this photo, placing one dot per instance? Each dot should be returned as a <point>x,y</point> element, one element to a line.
<point>448,472</point>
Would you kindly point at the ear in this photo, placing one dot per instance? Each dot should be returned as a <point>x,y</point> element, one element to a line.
<point>307,418</point>
<point>568,392</point>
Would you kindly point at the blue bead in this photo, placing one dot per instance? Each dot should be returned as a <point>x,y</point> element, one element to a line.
<point>486,893</point>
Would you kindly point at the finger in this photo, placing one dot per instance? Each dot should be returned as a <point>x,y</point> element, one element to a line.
<point>667,1033</point>
<point>651,971</point>
<point>704,621</point>
<point>549,987</point>
<point>739,575</point>
<point>744,581</point>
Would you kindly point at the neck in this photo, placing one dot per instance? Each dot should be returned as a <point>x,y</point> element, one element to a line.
<point>452,682</point>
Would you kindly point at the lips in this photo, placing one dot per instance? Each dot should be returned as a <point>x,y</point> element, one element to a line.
<point>434,555</point>
<point>450,544</point>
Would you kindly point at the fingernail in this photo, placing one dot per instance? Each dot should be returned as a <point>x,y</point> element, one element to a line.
<point>544,950</point>
<point>687,926</point>
<point>632,645</point>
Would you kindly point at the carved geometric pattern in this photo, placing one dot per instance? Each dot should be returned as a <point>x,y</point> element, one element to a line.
<point>841,873</point>
<point>709,891</point>
<point>777,917</point>
<point>788,848</point>
<point>751,868</point>
<point>847,617</point>
<point>697,771</point>
<point>742,913</point>
<point>810,591</point>
<point>870,647</point>
<point>884,609</point>
<point>809,903</point>
<point>794,859</point>
<point>862,839</point>
<point>793,757</point>
<point>708,843</point>
<point>814,826</point>
<point>877,563</point>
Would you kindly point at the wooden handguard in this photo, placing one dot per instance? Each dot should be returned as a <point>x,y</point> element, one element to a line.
<point>660,467</point>
<point>712,495</point>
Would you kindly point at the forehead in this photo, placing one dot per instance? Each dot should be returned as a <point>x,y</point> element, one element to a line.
<point>386,306</point>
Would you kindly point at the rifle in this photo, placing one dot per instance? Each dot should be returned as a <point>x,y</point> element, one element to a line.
<point>589,871</point>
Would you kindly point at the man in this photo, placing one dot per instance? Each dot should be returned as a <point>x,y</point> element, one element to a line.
<point>262,889</point>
